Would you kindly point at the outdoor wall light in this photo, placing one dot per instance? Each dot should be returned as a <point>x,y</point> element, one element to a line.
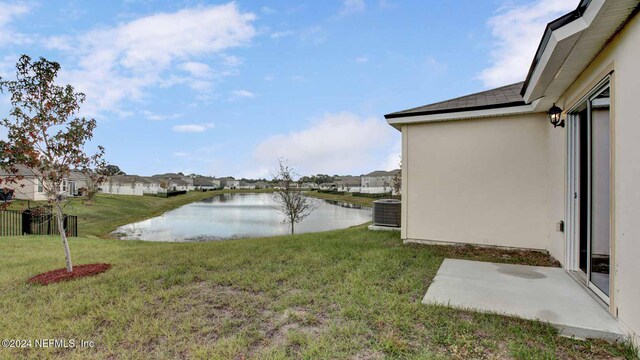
<point>555,114</point>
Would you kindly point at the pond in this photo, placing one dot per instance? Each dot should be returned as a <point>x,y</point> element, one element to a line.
<point>239,215</point>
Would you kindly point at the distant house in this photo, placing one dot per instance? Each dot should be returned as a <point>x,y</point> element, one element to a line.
<point>246,185</point>
<point>76,184</point>
<point>309,185</point>
<point>262,185</point>
<point>378,181</point>
<point>347,183</point>
<point>175,181</point>
<point>378,178</point>
<point>206,183</point>
<point>179,184</point>
<point>127,185</point>
<point>150,185</point>
<point>229,182</point>
<point>29,188</point>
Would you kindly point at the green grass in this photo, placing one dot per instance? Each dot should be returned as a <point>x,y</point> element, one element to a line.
<point>348,198</point>
<point>340,294</point>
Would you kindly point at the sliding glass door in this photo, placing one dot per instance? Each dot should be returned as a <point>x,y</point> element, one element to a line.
<point>590,189</point>
<point>600,171</point>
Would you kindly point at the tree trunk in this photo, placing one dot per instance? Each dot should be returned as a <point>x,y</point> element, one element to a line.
<point>63,234</point>
<point>292,227</point>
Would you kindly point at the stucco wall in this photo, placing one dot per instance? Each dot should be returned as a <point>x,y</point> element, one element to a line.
<point>481,181</point>
<point>556,190</point>
<point>26,189</point>
<point>620,55</point>
<point>121,189</point>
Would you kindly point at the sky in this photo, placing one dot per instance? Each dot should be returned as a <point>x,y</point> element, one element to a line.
<point>227,88</point>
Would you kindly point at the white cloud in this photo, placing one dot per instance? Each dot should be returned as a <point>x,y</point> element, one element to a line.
<point>180,154</point>
<point>120,63</point>
<point>269,77</point>
<point>192,128</point>
<point>159,117</point>
<point>8,66</point>
<point>392,161</point>
<point>337,143</point>
<point>243,94</point>
<point>197,69</point>
<point>351,6</point>
<point>280,34</point>
<point>231,60</point>
<point>517,30</point>
<point>362,59</point>
<point>8,13</point>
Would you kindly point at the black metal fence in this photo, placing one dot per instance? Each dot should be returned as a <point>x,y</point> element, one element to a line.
<point>171,193</point>
<point>35,222</point>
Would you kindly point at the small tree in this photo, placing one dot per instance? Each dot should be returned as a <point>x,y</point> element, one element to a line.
<point>45,135</point>
<point>397,180</point>
<point>10,173</point>
<point>292,203</point>
<point>93,182</point>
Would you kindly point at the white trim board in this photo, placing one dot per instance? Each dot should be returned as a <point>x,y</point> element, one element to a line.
<point>463,115</point>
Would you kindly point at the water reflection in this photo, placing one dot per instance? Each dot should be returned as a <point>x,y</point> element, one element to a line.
<point>233,216</point>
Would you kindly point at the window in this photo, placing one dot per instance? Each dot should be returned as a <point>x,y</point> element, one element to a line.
<point>40,187</point>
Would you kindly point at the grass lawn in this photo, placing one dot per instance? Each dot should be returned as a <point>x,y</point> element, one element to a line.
<point>348,198</point>
<point>340,294</point>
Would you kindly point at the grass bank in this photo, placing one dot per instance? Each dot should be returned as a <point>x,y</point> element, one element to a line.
<point>348,198</point>
<point>107,212</point>
<point>339,294</point>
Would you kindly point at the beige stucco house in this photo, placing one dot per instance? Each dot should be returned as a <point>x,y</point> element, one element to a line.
<point>30,188</point>
<point>490,169</point>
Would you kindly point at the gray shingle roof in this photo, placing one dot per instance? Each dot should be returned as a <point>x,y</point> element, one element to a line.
<point>203,181</point>
<point>503,96</point>
<point>382,173</point>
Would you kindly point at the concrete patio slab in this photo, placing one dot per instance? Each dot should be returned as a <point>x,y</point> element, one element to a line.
<point>530,292</point>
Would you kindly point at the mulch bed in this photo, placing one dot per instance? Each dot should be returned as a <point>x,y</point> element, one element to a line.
<point>59,275</point>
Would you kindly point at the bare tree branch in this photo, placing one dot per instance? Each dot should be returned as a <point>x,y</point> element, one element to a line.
<point>292,203</point>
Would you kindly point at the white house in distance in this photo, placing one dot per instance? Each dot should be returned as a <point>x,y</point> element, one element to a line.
<point>246,186</point>
<point>378,181</point>
<point>129,185</point>
<point>174,181</point>
<point>205,183</point>
<point>229,182</point>
<point>490,169</point>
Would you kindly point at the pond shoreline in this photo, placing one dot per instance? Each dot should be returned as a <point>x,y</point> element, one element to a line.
<point>231,216</point>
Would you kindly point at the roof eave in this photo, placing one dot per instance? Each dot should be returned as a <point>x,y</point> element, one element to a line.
<point>553,25</point>
<point>602,18</point>
<point>402,114</point>
<point>398,121</point>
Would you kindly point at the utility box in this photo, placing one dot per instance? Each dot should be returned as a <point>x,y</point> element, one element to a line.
<point>386,212</point>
